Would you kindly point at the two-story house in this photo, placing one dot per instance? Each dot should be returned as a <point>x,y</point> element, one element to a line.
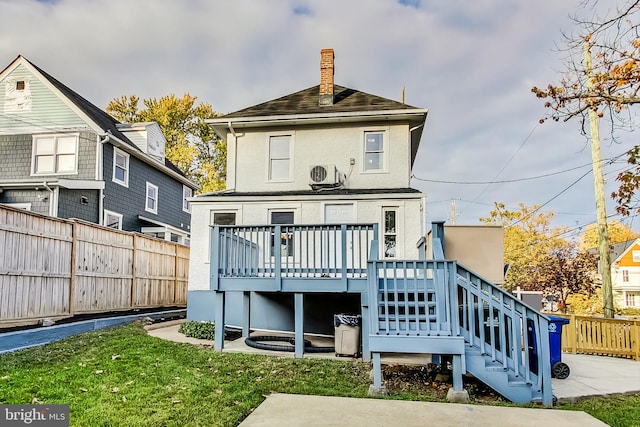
<point>625,273</point>
<point>319,219</point>
<point>62,156</point>
<point>323,155</point>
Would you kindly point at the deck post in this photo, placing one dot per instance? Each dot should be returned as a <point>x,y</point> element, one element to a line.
<point>364,307</point>
<point>214,259</point>
<point>377,370</point>
<point>299,324</point>
<point>218,341</point>
<point>246,314</point>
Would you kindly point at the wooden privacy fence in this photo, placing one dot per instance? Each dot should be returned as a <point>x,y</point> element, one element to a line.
<point>56,268</point>
<point>600,336</point>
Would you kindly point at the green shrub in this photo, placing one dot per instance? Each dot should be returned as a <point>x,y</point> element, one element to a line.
<point>200,330</point>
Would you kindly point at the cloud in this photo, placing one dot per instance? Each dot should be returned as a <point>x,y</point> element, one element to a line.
<point>471,63</point>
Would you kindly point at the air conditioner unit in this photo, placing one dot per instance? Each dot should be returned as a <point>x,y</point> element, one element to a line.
<point>323,175</point>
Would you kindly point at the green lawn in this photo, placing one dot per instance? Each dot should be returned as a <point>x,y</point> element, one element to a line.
<point>123,377</point>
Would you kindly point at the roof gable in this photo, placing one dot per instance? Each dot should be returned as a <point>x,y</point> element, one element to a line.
<point>625,257</point>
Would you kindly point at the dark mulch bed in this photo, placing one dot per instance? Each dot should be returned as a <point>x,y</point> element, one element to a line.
<point>429,381</point>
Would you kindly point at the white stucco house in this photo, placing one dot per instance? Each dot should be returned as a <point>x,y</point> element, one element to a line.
<point>327,154</point>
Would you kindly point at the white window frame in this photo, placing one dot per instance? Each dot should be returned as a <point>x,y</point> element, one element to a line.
<point>269,159</point>
<point>286,239</point>
<point>635,255</point>
<point>396,233</point>
<point>384,162</point>
<point>625,276</point>
<point>186,193</point>
<point>630,299</point>
<point>55,154</point>
<point>108,213</point>
<point>25,206</point>
<point>147,197</point>
<point>116,153</point>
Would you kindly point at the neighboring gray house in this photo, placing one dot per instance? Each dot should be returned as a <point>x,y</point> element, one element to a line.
<point>62,156</point>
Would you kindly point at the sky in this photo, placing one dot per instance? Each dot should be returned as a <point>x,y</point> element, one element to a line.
<point>472,64</point>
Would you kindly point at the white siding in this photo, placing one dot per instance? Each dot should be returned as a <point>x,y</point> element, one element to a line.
<point>47,113</point>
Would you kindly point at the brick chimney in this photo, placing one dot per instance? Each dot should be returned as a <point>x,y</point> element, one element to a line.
<point>326,77</point>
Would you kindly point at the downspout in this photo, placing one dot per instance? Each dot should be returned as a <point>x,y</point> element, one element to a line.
<point>100,174</point>
<point>53,200</point>
<point>235,154</point>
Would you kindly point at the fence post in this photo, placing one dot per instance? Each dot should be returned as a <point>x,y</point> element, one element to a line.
<point>175,271</point>
<point>134,263</point>
<point>635,342</point>
<point>72,279</point>
<point>573,335</point>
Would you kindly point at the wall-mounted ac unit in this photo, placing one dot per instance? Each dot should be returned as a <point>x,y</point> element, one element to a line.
<point>323,175</point>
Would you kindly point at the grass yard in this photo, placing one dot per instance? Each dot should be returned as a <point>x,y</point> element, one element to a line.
<point>123,377</point>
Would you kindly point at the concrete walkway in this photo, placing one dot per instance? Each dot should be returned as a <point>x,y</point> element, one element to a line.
<point>314,411</point>
<point>590,376</point>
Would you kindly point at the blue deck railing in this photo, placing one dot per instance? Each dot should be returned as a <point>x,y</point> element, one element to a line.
<point>282,257</point>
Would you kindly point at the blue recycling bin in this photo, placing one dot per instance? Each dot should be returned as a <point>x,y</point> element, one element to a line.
<point>559,369</point>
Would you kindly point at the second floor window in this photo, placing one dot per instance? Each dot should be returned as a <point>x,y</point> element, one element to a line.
<point>55,154</point>
<point>120,167</point>
<point>374,151</point>
<point>152,199</point>
<point>186,193</point>
<point>625,275</point>
<point>279,158</point>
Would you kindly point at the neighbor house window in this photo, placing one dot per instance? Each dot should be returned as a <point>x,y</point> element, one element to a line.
<point>390,232</point>
<point>279,157</point>
<point>186,193</point>
<point>630,299</point>
<point>286,238</point>
<point>374,151</point>
<point>120,167</point>
<point>625,275</point>
<point>224,218</point>
<point>55,154</point>
<point>112,220</point>
<point>636,256</point>
<point>152,199</point>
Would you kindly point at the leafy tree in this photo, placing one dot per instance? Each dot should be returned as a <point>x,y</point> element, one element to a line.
<point>565,272</point>
<point>617,233</point>
<point>528,240</point>
<point>609,86</point>
<point>191,143</point>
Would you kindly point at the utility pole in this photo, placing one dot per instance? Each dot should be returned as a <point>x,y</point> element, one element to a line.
<point>598,181</point>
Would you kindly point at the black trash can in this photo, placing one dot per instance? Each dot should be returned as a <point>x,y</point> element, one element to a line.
<point>347,334</point>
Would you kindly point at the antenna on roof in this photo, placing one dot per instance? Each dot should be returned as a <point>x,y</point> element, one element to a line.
<point>403,94</point>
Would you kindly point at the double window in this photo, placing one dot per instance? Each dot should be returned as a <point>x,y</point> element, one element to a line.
<point>55,154</point>
<point>120,167</point>
<point>280,158</point>
<point>625,275</point>
<point>151,203</point>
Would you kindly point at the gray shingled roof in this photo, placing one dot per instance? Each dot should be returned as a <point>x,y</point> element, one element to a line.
<point>306,102</point>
